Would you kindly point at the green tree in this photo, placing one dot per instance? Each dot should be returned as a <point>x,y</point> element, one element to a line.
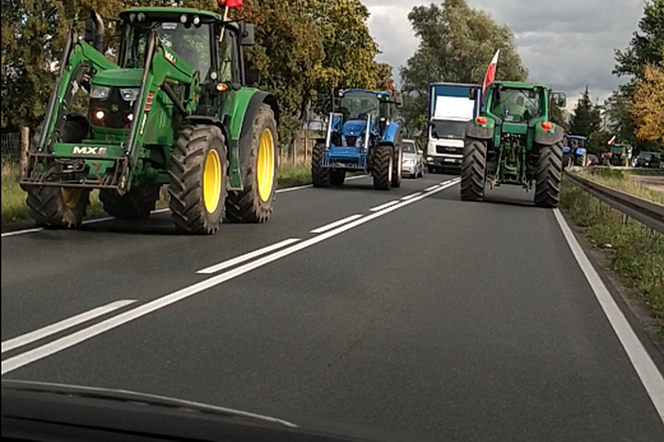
<point>585,118</point>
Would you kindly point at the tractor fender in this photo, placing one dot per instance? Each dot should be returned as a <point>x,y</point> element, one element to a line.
<point>548,138</point>
<point>480,132</point>
<point>390,134</point>
<point>204,119</point>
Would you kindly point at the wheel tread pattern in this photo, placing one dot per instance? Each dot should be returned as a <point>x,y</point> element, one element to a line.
<point>473,169</point>
<point>320,176</point>
<point>549,175</point>
<point>136,204</point>
<point>382,155</point>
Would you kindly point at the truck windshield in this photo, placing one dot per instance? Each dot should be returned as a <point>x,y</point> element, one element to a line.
<point>357,105</point>
<point>189,42</point>
<point>448,129</point>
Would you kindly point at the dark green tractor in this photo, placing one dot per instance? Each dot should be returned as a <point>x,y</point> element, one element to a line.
<point>514,142</point>
<point>176,109</point>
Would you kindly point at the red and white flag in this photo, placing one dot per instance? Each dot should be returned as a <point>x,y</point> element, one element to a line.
<point>612,140</point>
<point>230,4</point>
<point>491,72</point>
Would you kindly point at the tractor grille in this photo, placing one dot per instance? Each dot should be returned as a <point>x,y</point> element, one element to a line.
<point>351,140</point>
<point>116,111</point>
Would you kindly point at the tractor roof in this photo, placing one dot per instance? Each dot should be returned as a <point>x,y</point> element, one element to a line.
<point>379,94</point>
<point>162,13</point>
<point>519,85</point>
<point>576,137</point>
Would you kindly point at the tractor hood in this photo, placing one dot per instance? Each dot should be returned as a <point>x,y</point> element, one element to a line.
<point>118,78</point>
<point>353,128</point>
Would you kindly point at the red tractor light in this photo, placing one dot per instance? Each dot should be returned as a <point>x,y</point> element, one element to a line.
<point>547,126</point>
<point>482,120</point>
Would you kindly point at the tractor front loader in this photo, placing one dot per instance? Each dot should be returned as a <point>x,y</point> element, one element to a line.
<point>174,110</point>
<point>361,137</point>
<point>514,142</point>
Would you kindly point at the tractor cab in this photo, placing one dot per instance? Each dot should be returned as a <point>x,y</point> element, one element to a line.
<point>514,104</point>
<point>361,109</point>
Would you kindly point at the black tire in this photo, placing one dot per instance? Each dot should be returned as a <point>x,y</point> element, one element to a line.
<point>320,176</point>
<point>136,204</point>
<point>248,206</point>
<point>579,161</point>
<point>397,172</point>
<point>56,207</point>
<point>194,146</point>
<point>431,169</point>
<point>383,166</point>
<point>473,170</point>
<point>549,175</point>
<point>337,177</point>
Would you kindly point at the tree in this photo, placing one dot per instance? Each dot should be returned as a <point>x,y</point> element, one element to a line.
<point>456,44</point>
<point>648,104</point>
<point>586,118</point>
<point>384,79</point>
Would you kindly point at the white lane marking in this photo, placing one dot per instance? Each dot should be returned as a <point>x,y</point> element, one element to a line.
<point>246,257</point>
<point>431,187</point>
<point>336,224</point>
<point>65,342</point>
<point>412,195</point>
<point>643,364</point>
<point>383,206</point>
<point>108,218</point>
<point>52,329</point>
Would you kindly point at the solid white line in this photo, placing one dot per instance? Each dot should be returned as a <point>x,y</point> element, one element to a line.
<point>335,224</point>
<point>65,342</point>
<point>21,232</point>
<point>431,187</point>
<point>643,364</point>
<point>246,257</point>
<point>41,333</point>
<point>412,195</point>
<point>290,189</point>
<point>383,206</point>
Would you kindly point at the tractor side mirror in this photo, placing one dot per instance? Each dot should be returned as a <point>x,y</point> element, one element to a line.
<point>247,34</point>
<point>252,77</point>
<point>560,99</point>
<point>398,101</point>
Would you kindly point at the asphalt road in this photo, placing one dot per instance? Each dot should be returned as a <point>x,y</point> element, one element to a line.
<point>428,318</point>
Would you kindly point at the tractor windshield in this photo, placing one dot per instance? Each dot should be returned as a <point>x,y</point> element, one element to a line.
<point>357,105</point>
<point>517,105</point>
<point>190,42</point>
<point>448,129</point>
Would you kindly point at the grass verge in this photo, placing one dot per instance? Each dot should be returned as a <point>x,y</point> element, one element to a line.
<point>620,180</point>
<point>633,251</point>
<point>13,197</point>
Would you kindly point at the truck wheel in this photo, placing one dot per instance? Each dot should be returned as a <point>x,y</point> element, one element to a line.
<point>136,204</point>
<point>320,176</point>
<point>337,177</point>
<point>473,169</point>
<point>383,166</point>
<point>199,179</point>
<point>254,203</point>
<point>549,175</point>
<point>58,207</point>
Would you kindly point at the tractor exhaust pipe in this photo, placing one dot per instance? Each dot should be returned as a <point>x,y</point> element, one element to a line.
<point>94,31</point>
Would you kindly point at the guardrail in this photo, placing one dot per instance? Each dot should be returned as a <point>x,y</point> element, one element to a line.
<point>646,212</point>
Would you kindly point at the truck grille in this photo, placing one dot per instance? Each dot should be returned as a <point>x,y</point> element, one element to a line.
<point>448,149</point>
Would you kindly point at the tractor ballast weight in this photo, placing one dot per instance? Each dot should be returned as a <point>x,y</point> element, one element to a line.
<point>175,110</point>
<point>361,136</point>
<point>514,142</point>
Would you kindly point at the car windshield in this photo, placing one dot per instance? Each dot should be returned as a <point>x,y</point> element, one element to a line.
<point>189,42</point>
<point>409,147</point>
<point>357,105</point>
<point>448,129</point>
<point>516,105</point>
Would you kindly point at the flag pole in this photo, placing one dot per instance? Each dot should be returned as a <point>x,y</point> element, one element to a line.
<point>221,36</point>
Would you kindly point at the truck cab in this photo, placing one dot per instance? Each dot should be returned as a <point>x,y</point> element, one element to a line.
<point>451,107</point>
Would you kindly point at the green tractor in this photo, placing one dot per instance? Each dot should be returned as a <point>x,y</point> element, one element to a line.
<point>514,142</point>
<point>177,109</point>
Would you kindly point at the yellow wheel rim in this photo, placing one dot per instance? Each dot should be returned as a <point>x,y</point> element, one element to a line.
<point>71,197</point>
<point>265,172</point>
<point>212,181</point>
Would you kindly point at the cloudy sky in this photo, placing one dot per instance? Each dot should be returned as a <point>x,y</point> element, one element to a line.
<point>566,44</point>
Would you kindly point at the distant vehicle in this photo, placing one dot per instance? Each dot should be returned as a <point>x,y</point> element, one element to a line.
<point>592,161</point>
<point>652,160</point>
<point>619,155</point>
<point>451,107</point>
<point>574,150</point>
<point>413,161</point>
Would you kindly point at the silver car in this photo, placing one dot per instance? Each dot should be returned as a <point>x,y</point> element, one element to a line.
<point>413,161</point>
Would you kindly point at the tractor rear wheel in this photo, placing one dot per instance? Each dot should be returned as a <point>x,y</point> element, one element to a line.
<point>57,207</point>
<point>383,166</point>
<point>549,175</point>
<point>136,204</point>
<point>337,177</point>
<point>259,173</point>
<point>320,176</point>
<point>199,179</point>
<point>473,170</point>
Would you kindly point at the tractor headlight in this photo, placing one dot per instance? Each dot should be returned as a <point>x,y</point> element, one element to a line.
<point>129,94</point>
<point>100,92</point>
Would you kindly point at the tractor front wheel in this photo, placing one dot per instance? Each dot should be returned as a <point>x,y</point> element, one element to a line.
<point>58,207</point>
<point>259,173</point>
<point>136,204</point>
<point>199,179</point>
<point>337,177</point>
<point>473,170</point>
<point>383,166</point>
<point>320,176</point>
<point>549,175</point>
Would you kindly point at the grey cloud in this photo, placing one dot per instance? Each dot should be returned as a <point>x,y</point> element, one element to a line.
<point>567,44</point>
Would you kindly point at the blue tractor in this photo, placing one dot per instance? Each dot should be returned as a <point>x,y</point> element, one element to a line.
<point>361,137</point>
<point>574,150</point>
